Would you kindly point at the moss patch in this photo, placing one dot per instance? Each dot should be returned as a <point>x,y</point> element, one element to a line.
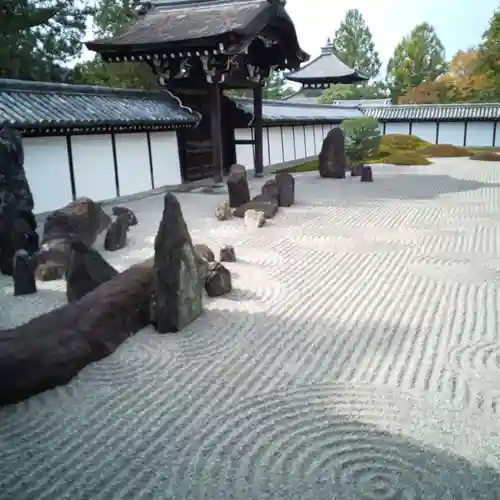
<point>310,166</point>
<point>393,142</point>
<point>486,156</point>
<point>445,151</point>
<point>406,158</point>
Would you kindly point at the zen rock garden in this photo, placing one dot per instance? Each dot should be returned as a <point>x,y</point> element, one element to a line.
<point>104,307</point>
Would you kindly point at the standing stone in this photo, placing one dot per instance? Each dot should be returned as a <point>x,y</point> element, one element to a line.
<point>177,288</point>
<point>87,269</point>
<point>366,174</point>
<point>223,212</point>
<point>286,188</point>
<point>237,185</point>
<point>227,254</point>
<point>132,219</point>
<point>23,273</point>
<point>254,218</point>
<point>332,159</point>
<point>116,236</point>
<point>16,202</point>
<point>271,190</point>
<point>218,281</point>
<point>82,220</point>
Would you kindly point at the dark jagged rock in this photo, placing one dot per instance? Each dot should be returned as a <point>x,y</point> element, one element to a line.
<point>132,219</point>
<point>205,252</point>
<point>218,281</point>
<point>17,221</point>
<point>177,287</point>
<point>24,273</point>
<point>52,348</point>
<point>116,236</point>
<point>270,189</point>
<point>261,203</point>
<point>227,254</point>
<point>366,174</point>
<point>203,256</point>
<point>87,269</point>
<point>332,159</point>
<point>237,186</point>
<point>286,188</point>
<point>82,220</point>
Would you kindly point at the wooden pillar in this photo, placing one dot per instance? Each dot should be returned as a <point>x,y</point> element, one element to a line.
<point>257,122</point>
<point>216,131</point>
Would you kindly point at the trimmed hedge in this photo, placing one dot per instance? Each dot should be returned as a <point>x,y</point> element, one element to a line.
<point>486,157</point>
<point>445,151</point>
<point>406,158</point>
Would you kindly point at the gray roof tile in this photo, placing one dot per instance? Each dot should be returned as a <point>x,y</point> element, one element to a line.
<point>36,104</point>
<point>301,112</point>
<point>433,112</point>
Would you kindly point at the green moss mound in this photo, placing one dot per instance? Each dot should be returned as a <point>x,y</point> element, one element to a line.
<point>486,157</point>
<point>402,142</point>
<point>406,158</point>
<point>310,166</point>
<point>445,151</point>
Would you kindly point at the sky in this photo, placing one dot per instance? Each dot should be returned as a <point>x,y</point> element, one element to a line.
<point>459,23</point>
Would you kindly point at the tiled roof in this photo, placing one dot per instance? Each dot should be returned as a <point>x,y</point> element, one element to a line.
<point>289,111</point>
<point>363,102</point>
<point>433,112</point>
<point>38,105</point>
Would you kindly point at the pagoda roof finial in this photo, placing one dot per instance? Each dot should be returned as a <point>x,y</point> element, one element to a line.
<point>328,48</point>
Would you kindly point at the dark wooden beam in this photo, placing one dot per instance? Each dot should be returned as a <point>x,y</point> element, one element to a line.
<point>215,93</point>
<point>257,121</point>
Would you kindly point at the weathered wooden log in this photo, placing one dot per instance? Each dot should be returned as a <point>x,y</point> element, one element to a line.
<point>51,349</point>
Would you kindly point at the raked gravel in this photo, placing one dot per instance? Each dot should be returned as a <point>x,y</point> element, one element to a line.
<point>358,357</point>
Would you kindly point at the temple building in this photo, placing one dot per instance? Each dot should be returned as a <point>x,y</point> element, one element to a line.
<point>197,49</point>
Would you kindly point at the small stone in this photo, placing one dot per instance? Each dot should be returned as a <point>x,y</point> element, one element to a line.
<point>254,218</point>
<point>23,274</point>
<point>132,219</point>
<point>366,174</point>
<point>116,236</point>
<point>203,256</point>
<point>87,269</point>
<point>262,203</point>
<point>223,212</point>
<point>218,280</point>
<point>237,186</point>
<point>205,252</point>
<point>286,187</point>
<point>270,189</point>
<point>227,254</point>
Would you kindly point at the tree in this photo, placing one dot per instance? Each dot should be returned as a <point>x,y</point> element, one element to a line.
<point>489,58</point>
<point>276,87</point>
<point>38,37</point>
<point>110,18</point>
<point>375,90</point>
<point>418,58</point>
<point>353,44</point>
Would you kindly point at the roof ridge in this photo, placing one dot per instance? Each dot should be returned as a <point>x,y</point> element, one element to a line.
<point>286,102</point>
<point>440,105</point>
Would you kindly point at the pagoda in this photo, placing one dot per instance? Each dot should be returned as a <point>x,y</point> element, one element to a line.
<point>327,69</point>
<point>197,49</point>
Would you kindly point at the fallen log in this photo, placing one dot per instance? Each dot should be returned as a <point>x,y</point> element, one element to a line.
<point>51,349</point>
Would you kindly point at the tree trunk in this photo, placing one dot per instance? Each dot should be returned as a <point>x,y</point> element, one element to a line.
<point>51,349</point>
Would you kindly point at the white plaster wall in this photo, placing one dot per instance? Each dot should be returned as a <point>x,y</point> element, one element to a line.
<point>94,166</point>
<point>288,143</point>
<point>310,145</point>
<point>275,142</point>
<point>497,135</point>
<point>480,134</point>
<point>132,159</point>
<point>425,130</point>
<point>451,133</point>
<point>244,152</point>
<point>46,165</point>
<point>300,147</point>
<point>318,133</point>
<point>165,155</point>
<point>397,128</point>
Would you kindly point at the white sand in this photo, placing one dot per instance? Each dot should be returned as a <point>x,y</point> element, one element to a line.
<point>358,357</point>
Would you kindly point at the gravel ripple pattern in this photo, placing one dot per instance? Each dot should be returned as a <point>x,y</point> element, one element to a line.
<point>357,358</point>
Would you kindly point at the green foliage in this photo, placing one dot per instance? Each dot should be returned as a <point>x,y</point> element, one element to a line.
<point>37,37</point>
<point>276,87</point>
<point>353,44</point>
<point>418,58</point>
<point>406,158</point>
<point>373,90</point>
<point>310,166</point>
<point>362,138</point>
<point>402,142</point>
<point>489,58</point>
<point>445,151</point>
